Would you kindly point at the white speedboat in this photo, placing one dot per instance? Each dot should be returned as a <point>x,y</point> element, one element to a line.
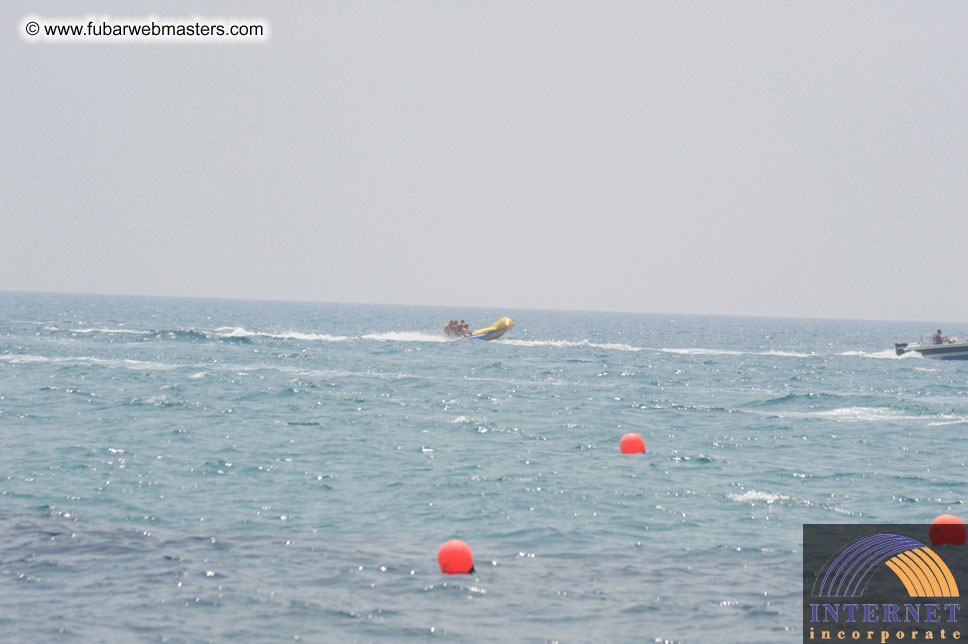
<point>948,349</point>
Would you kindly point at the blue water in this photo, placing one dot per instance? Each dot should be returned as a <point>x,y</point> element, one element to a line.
<point>186,470</point>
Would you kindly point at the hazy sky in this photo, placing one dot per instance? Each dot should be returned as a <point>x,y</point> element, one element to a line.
<point>752,158</point>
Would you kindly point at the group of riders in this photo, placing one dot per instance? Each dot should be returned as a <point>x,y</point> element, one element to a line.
<point>457,328</point>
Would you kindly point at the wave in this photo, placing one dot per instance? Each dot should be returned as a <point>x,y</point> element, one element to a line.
<point>106,330</point>
<point>812,398</point>
<point>221,333</point>
<point>239,332</point>
<point>942,423</point>
<point>190,335</point>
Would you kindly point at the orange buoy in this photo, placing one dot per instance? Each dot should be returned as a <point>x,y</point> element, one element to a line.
<point>632,444</point>
<point>947,529</point>
<point>455,558</point>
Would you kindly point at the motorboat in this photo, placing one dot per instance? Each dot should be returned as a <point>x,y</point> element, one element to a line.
<point>492,332</point>
<point>947,349</point>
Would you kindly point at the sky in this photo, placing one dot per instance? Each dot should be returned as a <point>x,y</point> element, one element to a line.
<point>805,159</point>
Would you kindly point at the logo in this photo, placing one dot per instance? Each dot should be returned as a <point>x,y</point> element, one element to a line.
<point>880,583</point>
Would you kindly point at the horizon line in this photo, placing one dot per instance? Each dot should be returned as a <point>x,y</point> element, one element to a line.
<point>451,306</point>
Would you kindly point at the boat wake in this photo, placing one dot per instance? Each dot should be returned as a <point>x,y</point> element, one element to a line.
<point>685,351</point>
<point>405,336</point>
<point>886,354</point>
<point>241,334</point>
<point>754,497</point>
<point>861,414</point>
<point>571,344</point>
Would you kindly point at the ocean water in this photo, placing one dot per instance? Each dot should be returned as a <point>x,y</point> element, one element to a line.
<point>189,471</point>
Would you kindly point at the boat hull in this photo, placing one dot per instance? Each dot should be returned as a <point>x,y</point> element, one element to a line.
<point>944,351</point>
<point>494,331</point>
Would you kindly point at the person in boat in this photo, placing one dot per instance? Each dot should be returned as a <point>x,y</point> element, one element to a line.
<point>462,328</point>
<point>937,338</point>
<point>451,328</point>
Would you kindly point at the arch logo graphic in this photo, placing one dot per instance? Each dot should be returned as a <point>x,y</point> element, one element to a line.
<point>922,572</point>
<point>880,583</point>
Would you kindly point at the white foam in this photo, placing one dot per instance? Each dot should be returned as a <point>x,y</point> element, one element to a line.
<point>462,419</point>
<point>233,332</point>
<point>612,346</point>
<point>942,423</point>
<point>106,330</point>
<point>886,354</point>
<point>703,352</point>
<point>863,414</point>
<point>310,337</point>
<point>787,354</point>
<point>22,359</point>
<point>866,415</point>
<point>405,336</point>
<point>240,332</point>
<point>103,362</point>
<point>568,344</point>
<point>751,496</point>
<point>769,498</point>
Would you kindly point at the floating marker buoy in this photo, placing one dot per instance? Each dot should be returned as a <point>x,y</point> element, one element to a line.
<point>455,558</point>
<point>947,528</point>
<point>632,444</point>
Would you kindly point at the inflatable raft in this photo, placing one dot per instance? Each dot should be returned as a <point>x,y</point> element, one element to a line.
<point>492,332</point>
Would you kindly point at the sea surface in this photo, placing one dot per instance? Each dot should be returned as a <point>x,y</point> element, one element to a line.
<point>179,470</point>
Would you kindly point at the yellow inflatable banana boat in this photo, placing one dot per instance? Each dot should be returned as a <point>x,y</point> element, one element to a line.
<point>496,330</point>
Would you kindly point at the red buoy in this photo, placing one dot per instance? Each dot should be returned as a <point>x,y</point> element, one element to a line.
<point>632,444</point>
<point>947,529</point>
<point>455,558</point>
